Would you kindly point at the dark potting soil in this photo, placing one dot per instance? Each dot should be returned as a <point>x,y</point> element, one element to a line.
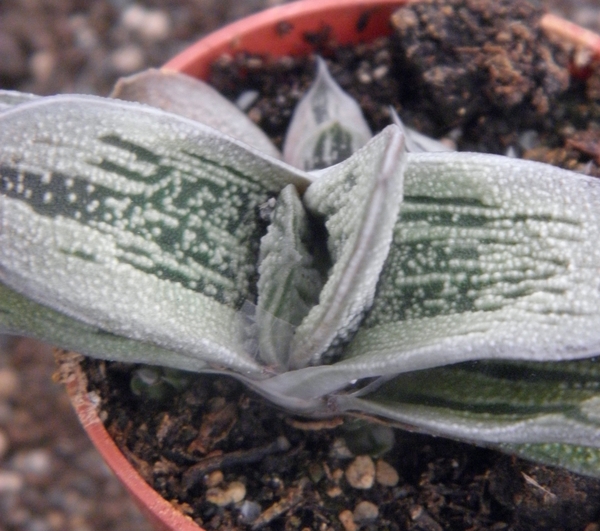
<point>480,74</point>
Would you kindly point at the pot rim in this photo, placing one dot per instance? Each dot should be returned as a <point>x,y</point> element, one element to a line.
<point>283,30</point>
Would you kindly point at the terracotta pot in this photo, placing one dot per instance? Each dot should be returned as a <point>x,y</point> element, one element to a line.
<point>278,31</point>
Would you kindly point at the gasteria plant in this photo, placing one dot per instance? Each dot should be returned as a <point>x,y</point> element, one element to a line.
<point>454,292</point>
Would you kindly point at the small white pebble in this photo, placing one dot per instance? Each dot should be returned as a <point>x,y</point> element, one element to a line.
<point>37,462</point>
<point>214,478</point>
<point>250,511</point>
<point>347,519</point>
<point>364,77</point>
<point>127,59</point>
<point>10,482</point>
<point>41,65</point>
<point>234,493</point>
<point>380,72</point>
<point>157,26</point>
<point>361,472</point>
<point>85,36</point>
<point>386,474</point>
<point>152,24</point>
<point>340,450</point>
<point>246,99</point>
<point>133,17</point>
<point>334,491</point>
<point>365,511</point>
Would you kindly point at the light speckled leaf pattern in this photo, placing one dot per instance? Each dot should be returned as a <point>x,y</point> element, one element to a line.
<point>21,316</point>
<point>193,99</point>
<point>327,125</point>
<point>10,98</point>
<point>491,258</point>
<point>359,200</point>
<point>289,282</point>
<point>134,220</point>
<point>580,459</point>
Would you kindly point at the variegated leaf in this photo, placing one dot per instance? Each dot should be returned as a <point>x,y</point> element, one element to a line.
<point>327,125</point>
<point>193,99</point>
<point>135,221</point>
<point>491,258</point>
<point>494,402</point>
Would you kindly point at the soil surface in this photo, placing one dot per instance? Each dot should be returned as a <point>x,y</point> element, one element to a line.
<point>50,476</point>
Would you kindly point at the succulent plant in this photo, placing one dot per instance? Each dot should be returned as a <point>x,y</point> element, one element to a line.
<point>457,293</point>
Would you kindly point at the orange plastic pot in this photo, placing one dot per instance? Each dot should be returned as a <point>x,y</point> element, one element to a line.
<point>275,32</point>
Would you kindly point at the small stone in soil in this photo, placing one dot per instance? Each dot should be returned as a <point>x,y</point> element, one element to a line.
<point>234,493</point>
<point>249,511</point>
<point>10,482</point>
<point>386,474</point>
<point>365,511</point>
<point>347,519</point>
<point>214,478</point>
<point>361,472</point>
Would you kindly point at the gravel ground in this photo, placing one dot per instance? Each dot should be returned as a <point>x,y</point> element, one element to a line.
<point>50,476</point>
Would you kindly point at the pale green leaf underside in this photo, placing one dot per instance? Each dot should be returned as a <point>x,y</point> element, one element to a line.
<point>192,98</point>
<point>134,221</point>
<point>359,201</point>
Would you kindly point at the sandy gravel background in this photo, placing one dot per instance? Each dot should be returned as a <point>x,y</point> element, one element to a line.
<point>51,478</point>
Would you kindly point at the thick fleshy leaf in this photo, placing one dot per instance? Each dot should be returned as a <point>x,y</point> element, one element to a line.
<point>359,200</point>
<point>10,98</point>
<point>289,282</point>
<point>327,126</point>
<point>492,258</point>
<point>580,459</point>
<point>135,221</point>
<point>193,99</point>
<point>494,402</point>
<point>21,316</point>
